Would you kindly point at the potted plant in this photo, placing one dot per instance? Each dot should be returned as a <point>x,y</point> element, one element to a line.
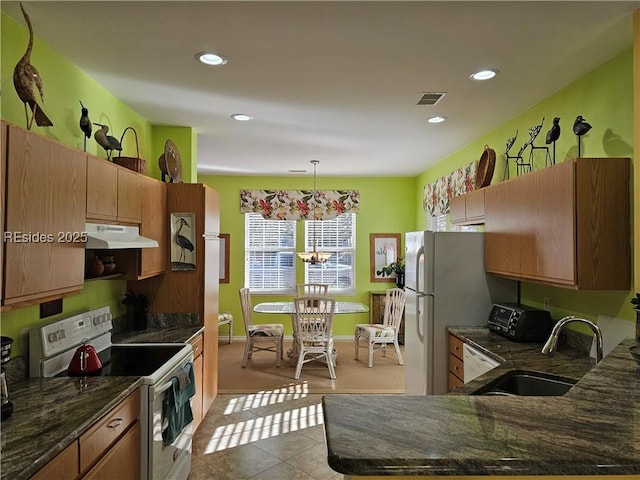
<point>396,268</point>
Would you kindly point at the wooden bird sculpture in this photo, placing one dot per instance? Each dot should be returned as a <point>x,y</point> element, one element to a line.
<point>580,127</point>
<point>25,77</point>
<point>183,242</point>
<point>107,142</point>
<point>85,124</point>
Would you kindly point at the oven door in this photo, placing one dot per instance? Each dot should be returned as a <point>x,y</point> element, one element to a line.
<point>171,461</point>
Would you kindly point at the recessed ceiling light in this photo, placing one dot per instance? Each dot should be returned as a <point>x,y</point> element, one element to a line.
<point>241,117</point>
<point>210,58</point>
<point>436,119</point>
<point>483,75</point>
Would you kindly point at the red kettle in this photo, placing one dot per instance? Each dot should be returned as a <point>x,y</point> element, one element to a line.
<point>85,361</point>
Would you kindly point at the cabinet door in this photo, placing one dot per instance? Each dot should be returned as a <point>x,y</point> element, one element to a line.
<point>474,206</point>
<point>129,196</point>
<point>503,239</point>
<point>102,189</point>
<point>64,466</point>
<point>46,200</point>
<point>122,460</point>
<point>154,224</point>
<point>196,400</point>
<point>551,252</point>
<point>457,209</point>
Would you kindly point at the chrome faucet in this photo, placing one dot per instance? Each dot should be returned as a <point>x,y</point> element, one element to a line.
<point>552,341</point>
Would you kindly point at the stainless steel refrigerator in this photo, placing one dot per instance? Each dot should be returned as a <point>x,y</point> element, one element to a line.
<point>445,285</point>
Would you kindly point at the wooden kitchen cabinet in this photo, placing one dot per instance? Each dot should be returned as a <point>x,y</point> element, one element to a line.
<point>64,466</point>
<point>456,362</point>
<point>196,400</point>
<point>467,209</point>
<point>113,193</point>
<point>193,291</point>
<point>44,218</point>
<point>567,225</point>
<point>129,196</point>
<point>110,444</point>
<point>154,224</point>
<point>102,189</point>
<point>121,461</point>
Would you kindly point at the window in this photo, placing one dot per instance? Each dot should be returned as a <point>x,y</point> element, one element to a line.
<point>337,236</point>
<point>269,254</point>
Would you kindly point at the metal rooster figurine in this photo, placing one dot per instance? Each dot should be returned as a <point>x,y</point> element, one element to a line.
<point>580,127</point>
<point>25,76</point>
<point>107,142</point>
<point>85,124</point>
<point>552,135</point>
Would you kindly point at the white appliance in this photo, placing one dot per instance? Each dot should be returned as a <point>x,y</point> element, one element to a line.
<point>445,285</point>
<point>476,363</point>
<point>52,346</point>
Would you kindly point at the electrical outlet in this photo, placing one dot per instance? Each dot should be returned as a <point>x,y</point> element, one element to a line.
<point>546,304</point>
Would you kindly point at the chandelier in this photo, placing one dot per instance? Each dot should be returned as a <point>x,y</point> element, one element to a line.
<point>313,257</point>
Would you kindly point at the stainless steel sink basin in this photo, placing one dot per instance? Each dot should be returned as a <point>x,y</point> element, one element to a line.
<point>527,383</point>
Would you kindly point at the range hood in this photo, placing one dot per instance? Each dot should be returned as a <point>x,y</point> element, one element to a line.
<point>115,237</point>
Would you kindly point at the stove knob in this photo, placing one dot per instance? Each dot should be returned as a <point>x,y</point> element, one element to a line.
<point>53,336</point>
<point>96,320</point>
<point>62,334</point>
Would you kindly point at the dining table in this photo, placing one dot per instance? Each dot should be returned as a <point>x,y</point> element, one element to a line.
<point>288,307</point>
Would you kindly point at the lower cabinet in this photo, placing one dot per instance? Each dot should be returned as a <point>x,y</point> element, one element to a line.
<point>456,363</point>
<point>122,460</point>
<point>198,363</point>
<point>64,466</point>
<point>109,450</point>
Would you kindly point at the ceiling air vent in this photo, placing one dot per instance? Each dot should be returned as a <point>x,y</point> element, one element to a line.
<point>431,98</point>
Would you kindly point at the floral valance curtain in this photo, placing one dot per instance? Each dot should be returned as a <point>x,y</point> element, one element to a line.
<point>436,195</point>
<point>298,204</point>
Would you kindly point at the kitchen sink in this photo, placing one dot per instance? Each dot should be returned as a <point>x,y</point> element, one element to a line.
<point>527,383</point>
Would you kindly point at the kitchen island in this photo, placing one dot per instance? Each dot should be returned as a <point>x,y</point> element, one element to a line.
<point>594,429</point>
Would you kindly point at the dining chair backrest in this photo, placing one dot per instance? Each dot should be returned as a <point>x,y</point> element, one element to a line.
<point>314,318</point>
<point>245,303</point>
<point>313,289</point>
<point>394,307</point>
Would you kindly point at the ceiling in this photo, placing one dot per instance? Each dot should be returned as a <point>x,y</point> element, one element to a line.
<point>335,81</point>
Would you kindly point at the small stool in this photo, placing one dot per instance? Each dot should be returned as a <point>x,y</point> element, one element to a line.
<point>226,319</point>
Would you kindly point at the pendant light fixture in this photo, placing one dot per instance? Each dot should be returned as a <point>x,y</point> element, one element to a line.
<point>313,257</point>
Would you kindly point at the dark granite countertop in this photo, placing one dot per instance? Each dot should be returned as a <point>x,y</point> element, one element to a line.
<point>592,430</point>
<point>50,413</point>
<point>159,335</point>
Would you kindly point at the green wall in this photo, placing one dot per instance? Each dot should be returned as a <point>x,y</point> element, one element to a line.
<point>386,206</point>
<point>64,86</point>
<point>604,97</point>
<point>389,205</point>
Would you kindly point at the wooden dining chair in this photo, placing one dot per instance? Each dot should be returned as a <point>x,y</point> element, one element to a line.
<point>313,320</point>
<point>313,289</point>
<point>381,335</point>
<point>263,337</point>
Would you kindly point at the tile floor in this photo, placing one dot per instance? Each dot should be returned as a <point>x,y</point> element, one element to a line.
<point>275,435</point>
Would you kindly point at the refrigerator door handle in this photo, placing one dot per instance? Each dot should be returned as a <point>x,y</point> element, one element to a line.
<point>419,315</point>
<point>419,258</point>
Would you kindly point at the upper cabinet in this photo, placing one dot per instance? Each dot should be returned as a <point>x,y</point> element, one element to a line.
<point>467,209</point>
<point>153,261</point>
<point>43,248</point>
<point>568,225</point>
<point>113,192</point>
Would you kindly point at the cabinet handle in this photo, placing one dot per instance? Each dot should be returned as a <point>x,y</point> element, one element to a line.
<point>115,423</point>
